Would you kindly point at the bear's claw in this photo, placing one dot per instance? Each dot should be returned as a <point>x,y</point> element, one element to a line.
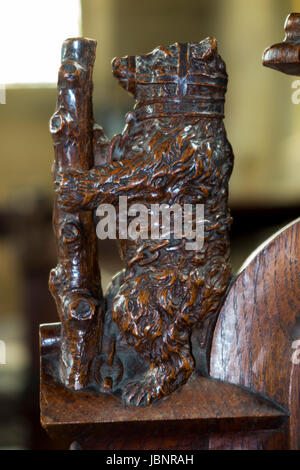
<point>144,392</point>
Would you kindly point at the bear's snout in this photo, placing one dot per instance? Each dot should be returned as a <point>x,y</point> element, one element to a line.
<point>119,66</point>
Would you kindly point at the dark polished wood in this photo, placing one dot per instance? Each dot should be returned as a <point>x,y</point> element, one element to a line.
<point>75,283</point>
<point>285,56</point>
<point>253,404</point>
<point>253,342</point>
<point>173,150</point>
<point>204,407</point>
<point>234,382</point>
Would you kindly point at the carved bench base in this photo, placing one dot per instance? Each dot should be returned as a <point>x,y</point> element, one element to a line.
<point>253,348</point>
<point>194,417</point>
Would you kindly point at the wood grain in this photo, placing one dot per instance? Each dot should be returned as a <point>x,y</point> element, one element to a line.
<point>173,152</point>
<point>203,406</point>
<point>260,320</point>
<point>75,282</point>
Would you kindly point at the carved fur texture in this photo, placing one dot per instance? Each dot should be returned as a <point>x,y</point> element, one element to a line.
<point>173,150</point>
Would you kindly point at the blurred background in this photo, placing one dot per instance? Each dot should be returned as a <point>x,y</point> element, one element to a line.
<point>261,121</point>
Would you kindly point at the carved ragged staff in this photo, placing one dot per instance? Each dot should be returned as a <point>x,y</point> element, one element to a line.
<point>75,282</point>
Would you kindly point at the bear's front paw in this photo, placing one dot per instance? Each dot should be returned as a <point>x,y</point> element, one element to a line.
<point>144,392</point>
<point>74,190</point>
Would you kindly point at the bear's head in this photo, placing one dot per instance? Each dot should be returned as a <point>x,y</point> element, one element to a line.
<point>180,72</point>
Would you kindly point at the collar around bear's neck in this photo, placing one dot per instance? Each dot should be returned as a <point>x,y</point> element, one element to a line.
<point>210,103</point>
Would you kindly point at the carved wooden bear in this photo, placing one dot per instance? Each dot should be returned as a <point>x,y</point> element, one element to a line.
<point>173,150</point>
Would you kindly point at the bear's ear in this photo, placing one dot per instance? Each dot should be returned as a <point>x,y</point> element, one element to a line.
<point>204,49</point>
<point>162,50</point>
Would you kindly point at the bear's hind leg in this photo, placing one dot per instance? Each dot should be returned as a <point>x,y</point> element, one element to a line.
<point>162,378</point>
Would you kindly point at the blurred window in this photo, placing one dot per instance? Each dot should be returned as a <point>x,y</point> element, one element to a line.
<point>31,35</point>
